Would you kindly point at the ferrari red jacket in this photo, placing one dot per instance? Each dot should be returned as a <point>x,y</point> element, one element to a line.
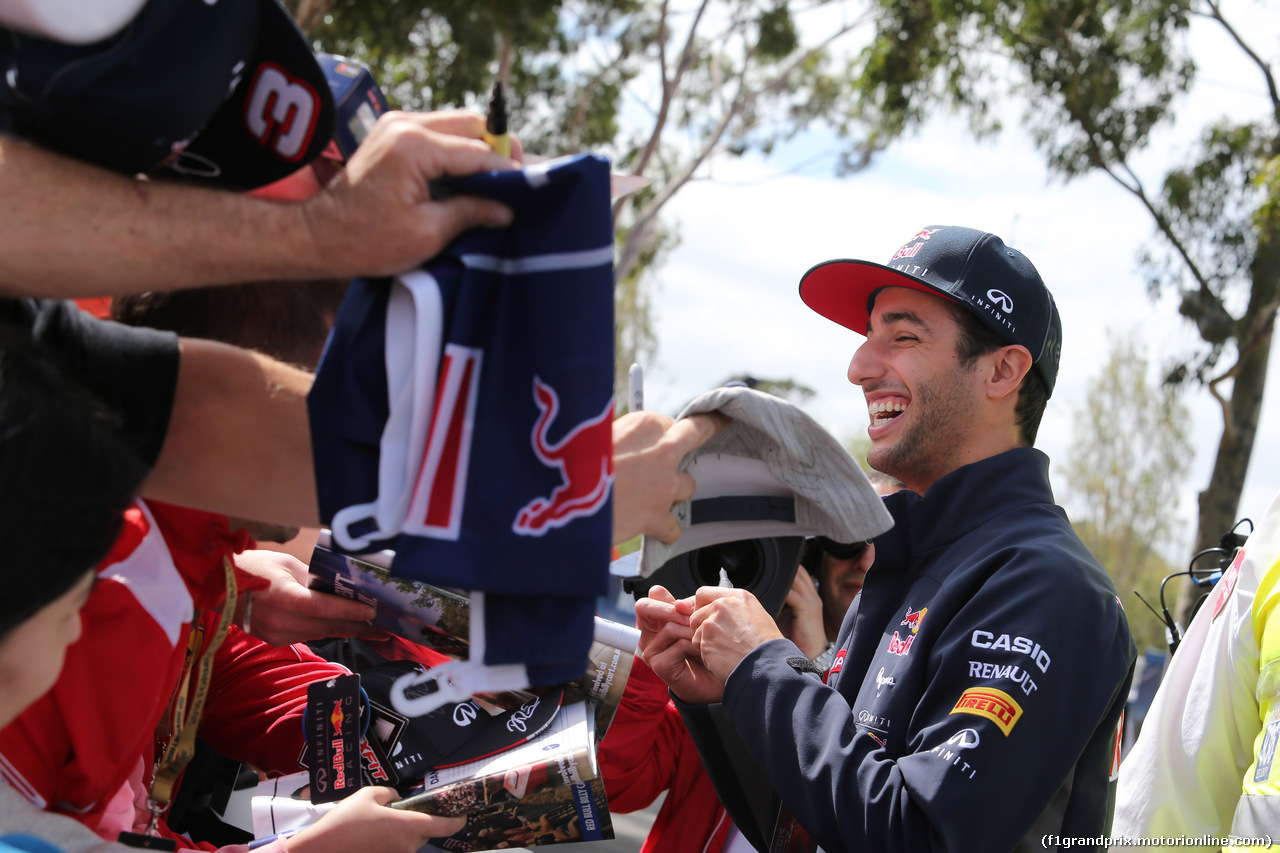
<point>646,751</point>
<point>78,749</point>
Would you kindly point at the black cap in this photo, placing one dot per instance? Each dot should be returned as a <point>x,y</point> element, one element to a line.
<point>226,91</point>
<point>458,732</point>
<point>998,284</point>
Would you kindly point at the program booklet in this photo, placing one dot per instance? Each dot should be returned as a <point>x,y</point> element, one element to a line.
<point>543,792</point>
<point>555,816</point>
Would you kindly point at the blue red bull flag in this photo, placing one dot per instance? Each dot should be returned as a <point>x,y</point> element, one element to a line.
<point>462,416</point>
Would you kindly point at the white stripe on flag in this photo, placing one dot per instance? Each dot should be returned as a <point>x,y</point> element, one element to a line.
<point>541,263</point>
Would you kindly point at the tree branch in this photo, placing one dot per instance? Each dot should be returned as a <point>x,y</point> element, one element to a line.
<point>744,98</point>
<point>574,133</point>
<point>1228,422</point>
<point>641,228</point>
<point>1257,60</point>
<point>669,86</point>
<point>786,71</point>
<point>1162,222</point>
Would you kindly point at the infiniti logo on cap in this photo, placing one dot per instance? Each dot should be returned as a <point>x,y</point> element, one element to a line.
<point>1002,299</point>
<point>465,714</point>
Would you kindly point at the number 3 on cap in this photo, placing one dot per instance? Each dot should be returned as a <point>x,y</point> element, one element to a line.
<point>281,111</point>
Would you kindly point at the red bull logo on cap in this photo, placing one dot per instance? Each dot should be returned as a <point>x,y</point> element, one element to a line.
<point>584,458</point>
<point>912,246</point>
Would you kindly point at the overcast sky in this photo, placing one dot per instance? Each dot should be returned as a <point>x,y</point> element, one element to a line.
<point>726,301</point>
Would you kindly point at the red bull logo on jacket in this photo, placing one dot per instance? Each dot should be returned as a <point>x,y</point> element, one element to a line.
<point>898,645</point>
<point>914,618</point>
<point>584,457</point>
<point>901,645</point>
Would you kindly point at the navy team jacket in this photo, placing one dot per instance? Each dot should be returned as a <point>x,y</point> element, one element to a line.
<point>977,698</point>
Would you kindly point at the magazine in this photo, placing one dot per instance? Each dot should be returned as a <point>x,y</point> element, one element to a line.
<point>562,755</point>
<point>543,792</point>
<point>555,816</point>
<point>438,619</point>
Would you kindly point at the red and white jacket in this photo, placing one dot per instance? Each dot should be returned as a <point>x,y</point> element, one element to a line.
<point>87,747</point>
<point>646,751</point>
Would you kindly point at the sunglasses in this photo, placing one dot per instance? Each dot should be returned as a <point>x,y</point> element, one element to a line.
<point>841,550</point>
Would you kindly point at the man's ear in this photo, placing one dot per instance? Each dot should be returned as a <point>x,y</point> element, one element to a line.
<point>1008,365</point>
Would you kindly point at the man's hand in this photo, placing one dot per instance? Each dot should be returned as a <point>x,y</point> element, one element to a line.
<point>376,218</point>
<point>363,822</point>
<point>385,183</point>
<point>666,645</point>
<point>727,625</point>
<point>801,618</point>
<point>287,612</point>
<point>647,482</point>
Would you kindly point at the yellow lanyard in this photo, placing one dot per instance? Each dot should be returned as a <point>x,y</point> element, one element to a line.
<point>186,718</point>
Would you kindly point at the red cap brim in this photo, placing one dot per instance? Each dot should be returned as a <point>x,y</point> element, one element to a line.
<point>841,289</point>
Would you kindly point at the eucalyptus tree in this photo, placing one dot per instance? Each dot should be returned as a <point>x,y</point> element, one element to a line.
<point>663,87</point>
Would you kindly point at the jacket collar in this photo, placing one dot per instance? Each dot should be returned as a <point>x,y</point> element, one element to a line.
<point>961,502</point>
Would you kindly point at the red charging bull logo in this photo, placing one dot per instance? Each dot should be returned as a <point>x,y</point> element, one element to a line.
<point>911,248</point>
<point>339,753</point>
<point>901,645</point>
<point>337,717</point>
<point>584,458</point>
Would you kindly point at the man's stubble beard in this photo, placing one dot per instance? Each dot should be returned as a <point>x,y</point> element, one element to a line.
<point>930,446</point>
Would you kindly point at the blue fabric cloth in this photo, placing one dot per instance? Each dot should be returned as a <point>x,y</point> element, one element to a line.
<point>506,478</point>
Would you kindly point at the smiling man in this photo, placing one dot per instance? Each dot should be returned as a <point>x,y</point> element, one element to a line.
<point>975,698</point>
